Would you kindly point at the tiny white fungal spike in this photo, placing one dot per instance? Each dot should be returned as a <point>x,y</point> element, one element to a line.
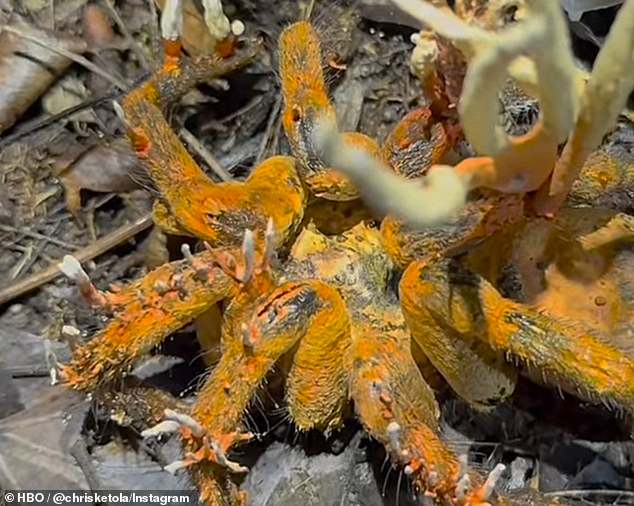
<point>176,466</point>
<point>269,242</point>
<point>463,487</point>
<point>70,331</point>
<point>185,420</point>
<point>187,252</point>
<point>164,427</point>
<point>270,229</point>
<point>237,27</point>
<point>119,111</point>
<point>248,250</point>
<point>222,459</point>
<point>492,479</point>
<point>394,433</point>
<point>172,20</point>
<point>53,376</point>
<point>215,19</point>
<point>72,269</point>
<point>247,337</point>
<point>393,428</point>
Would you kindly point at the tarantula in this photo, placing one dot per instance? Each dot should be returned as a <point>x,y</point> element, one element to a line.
<point>326,314</point>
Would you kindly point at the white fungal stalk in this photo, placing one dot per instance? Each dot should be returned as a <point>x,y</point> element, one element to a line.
<point>172,20</point>
<point>427,201</point>
<point>217,23</point>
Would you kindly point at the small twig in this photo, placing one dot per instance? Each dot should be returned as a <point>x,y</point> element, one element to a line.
<point>270,125</point>
<point>126,33</point>
<point>86,254</point>
<point>582,493</point>
<point>51,6</point>
<point>156,36</point>
<point>38,124</point>
<point>81,456</point>
<point>204,153</point>
<point>28,372</point>
<point>36,235</point>
<point>56,48</point>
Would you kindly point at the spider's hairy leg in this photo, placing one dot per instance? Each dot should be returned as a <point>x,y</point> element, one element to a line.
<point>576,360</point>
<point>619,228</point>
<point>257,334</point>
<point>150,308</point>
<point>306,103</point>
<point>192,204</point>
<point>317,380</point>
<point>396,406</point>
<point>441,308</point>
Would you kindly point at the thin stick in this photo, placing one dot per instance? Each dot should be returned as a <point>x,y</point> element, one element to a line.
<point>128,36</point>
<point>81,456</point>
<point>581,493</point>
<point>86,254</point>
<point>156,36</point>
<point>36,235</point>
<point>204,153</point>
<point>270,125</point>
<point>28,128</point>
<point>56,48</point>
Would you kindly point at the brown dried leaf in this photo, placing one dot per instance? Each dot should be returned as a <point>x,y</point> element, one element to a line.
<point>97,26</point>
<point>107,167</point>
<point>66,93</point>
<point>27,69</point>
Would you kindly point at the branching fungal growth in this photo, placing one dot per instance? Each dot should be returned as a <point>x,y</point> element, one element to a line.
<point>536,52</point>
<point>442,193</point>
<point>604,97</point>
